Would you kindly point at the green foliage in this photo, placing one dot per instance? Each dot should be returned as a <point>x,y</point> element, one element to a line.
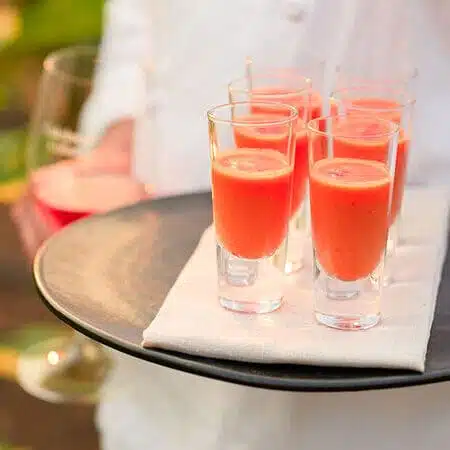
<point>43,26</point>
<point>26,338</point>
<point>48,24</point>
<point>12,154</point>
<point>5,446</point>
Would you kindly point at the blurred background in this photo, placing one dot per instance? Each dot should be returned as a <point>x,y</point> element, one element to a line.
<point>29,30</point>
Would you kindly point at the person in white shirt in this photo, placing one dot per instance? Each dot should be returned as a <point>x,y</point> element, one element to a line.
<point>191,50</point>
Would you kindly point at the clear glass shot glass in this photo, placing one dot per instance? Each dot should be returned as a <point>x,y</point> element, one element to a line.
<point>283,87</point>
<point>252,192</point>
<point>351,179</point>
<point>390,101</point>
<point>306,65</point>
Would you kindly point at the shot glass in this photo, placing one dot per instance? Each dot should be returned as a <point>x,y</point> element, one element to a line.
<point>306,65</point>
<point>252,193</point>
<point>351,179</point>
<point>283,87</point>
<point>390,101</point>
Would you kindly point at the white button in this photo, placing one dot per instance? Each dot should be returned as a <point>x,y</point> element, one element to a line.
<point>297,10</point>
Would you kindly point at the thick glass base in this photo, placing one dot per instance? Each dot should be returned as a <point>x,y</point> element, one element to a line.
<point>348,323</point>
<point>294,261</point>
<point>391,251</point>
<point>388,280</point>
<point>261,307</point>
<point>393,239</point>
<point>250,285</point>
<point>298,232</point>
<point>346,305</point>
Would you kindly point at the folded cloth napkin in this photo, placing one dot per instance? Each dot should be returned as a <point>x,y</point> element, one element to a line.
<point>192,321</point>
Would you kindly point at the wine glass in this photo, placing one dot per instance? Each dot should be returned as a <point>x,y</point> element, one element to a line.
<point>68,180</point>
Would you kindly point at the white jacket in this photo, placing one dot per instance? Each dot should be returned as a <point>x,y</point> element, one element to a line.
<point>194,48</point>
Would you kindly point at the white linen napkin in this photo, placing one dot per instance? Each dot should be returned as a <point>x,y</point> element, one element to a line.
<point>192,321</point>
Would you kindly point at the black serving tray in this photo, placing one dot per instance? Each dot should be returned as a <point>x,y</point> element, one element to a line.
<point>107,276</point>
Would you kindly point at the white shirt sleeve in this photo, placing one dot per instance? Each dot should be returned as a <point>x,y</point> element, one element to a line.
<point>118,80</point>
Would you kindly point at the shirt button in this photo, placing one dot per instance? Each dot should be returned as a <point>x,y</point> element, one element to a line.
<point>297,10</point>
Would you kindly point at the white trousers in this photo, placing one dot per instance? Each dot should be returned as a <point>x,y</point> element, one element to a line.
<point>145,406</point>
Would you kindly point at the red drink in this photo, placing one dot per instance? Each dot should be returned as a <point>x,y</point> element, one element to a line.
<point>308,104</point>
<point>65,194</point>
<point>259,137</point>
<point>362,145</point>
<point>316,106</point>
<point>349,215</point>
<point>288,96</point>
<point>251,201</point>
<point>388,110</point>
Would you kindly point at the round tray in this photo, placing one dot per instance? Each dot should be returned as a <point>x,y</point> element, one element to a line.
<point>107,276</point>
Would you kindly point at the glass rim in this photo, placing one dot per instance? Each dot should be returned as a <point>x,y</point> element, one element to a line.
<point>312,126</point>
<point>50,64</point>
<point>403,78</point>
<point>405,99</point>
<point>284,120</point>
<point>267,74</point>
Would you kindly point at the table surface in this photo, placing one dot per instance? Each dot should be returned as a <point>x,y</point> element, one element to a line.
<point>96,275</point>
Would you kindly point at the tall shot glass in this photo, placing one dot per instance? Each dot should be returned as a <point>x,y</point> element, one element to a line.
<point>390,100</point>
<point>352,167</point>
<point>251,192</point>
<point>306,65</point>
<point>283,87</point>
